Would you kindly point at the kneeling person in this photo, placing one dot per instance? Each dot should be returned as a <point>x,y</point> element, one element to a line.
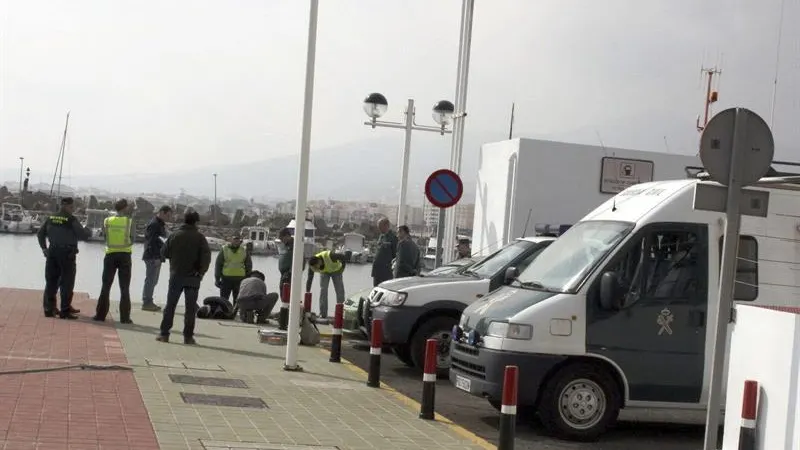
<point>253,299</point>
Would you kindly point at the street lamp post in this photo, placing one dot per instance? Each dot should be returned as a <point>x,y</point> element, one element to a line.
<point>375,105</point>
<point>21,161</point>
<point>216,215</point>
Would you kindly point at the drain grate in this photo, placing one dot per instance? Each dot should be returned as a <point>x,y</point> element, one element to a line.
<point>183,365</point>
<point>223,400</point>
<point>208,381</point>
<point>230,445</point>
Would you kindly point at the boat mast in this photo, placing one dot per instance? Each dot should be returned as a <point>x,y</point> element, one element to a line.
<point>711,96</point>
<point>777,65</point>
<point>60,162</point>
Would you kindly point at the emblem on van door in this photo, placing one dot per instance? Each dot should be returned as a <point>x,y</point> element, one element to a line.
<point>665,318</point>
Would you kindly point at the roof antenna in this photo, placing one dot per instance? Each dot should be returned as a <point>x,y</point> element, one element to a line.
<point>614,203</point>
<point>527,221</point>
<point>602,145</point>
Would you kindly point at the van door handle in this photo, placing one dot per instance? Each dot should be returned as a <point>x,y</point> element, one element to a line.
<point>697,318</point>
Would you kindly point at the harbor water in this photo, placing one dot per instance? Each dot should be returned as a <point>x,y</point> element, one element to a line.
<point>22,266</point>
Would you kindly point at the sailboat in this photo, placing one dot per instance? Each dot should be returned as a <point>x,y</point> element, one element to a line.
<point>59,167</point>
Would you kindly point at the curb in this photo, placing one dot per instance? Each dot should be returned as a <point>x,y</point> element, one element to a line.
<point>414,405</point>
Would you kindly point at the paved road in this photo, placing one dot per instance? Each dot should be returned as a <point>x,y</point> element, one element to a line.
<point>638,430</point>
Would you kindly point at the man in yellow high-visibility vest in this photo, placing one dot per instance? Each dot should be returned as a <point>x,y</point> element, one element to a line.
<point>233,265</point>
<point>118,233</point>
<point>330,266</point>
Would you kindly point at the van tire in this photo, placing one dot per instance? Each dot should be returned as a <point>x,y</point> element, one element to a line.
<point>403,353</point>
<point>436,327</point>
<point>580,382</point>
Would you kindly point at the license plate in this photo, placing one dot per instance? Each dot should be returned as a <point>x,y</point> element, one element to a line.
<point>463,383</point>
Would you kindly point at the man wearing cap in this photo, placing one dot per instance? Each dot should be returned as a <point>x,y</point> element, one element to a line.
<point>118,231</point>
<point>63,231</point>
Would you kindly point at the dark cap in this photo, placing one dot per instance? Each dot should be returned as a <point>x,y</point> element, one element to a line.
<point>66,200</point>
<point>463,241</point>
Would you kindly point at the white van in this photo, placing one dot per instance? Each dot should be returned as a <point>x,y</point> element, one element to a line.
<point>415,309</point>
<point>615,313</point>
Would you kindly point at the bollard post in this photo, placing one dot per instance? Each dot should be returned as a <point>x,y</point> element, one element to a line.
<point>426,409</point>
<point>336,338</point>
<point>508,410</point>
<point>374,375</point>
<point>307,303</point>
<point>747,435</point>
<point>283,317</point>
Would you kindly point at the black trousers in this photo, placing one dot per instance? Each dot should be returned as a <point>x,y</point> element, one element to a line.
<point>230,285</point>
<point>59,274</point>
<point>113,263</point>
<point>177,286</point>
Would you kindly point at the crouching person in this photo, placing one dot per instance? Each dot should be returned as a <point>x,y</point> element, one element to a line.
<point>253,300</point>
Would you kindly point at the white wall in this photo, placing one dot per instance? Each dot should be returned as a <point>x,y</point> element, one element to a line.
<point>765,347</point>
<point>556,182</point>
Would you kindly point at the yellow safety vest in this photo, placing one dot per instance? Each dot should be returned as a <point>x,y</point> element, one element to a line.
<point>117,230</point>
<point>234,262</point>
<point>331,266</point>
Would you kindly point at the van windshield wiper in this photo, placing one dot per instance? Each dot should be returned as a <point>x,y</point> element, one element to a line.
<point>537,285</point>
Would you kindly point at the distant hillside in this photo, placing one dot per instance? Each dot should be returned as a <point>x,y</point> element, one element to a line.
<point>363,171</point>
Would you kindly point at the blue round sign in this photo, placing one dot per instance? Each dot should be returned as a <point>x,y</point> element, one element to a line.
<point>444,188</point>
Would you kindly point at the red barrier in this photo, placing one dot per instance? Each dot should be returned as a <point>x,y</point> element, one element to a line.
<point>747,433</point>
<point>508,409</point>
<point>307,302</point>
<point>429,381</point>
<point>376,343</point>
<point>283,316</point>
<point>336,337</point>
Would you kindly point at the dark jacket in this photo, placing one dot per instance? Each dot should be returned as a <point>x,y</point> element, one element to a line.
<point>285,261</point>
<point>341,257</point>
<point>188,254</point>
<point>63,230</point>
<point>220,262</point>
<point>155,230</point>
<point>385,252</point>
<point>408,259</point>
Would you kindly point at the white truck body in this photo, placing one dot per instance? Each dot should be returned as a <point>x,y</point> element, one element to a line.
<point>556,183</point>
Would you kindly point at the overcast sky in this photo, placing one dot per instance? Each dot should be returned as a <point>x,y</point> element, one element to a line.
<point>161,85</point>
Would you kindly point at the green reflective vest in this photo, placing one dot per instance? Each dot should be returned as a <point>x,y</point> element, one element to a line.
<point>234,262</point>
<point>331,266</point>
<point>117,230</point>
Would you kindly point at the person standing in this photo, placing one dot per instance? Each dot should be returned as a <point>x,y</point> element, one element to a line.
<point>464,249</point>
<point>386,251</point>
<point>330,266</point>
<point>408,258</point>
<point>154,235</point>
<point>189,259</point>
<point>63,231</point>
<point>233,265</point>
<point>118,231</point>
<point>285,258</point>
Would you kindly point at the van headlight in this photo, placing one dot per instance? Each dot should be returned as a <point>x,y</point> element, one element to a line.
<point>510,330</point>
<point>392,298</point>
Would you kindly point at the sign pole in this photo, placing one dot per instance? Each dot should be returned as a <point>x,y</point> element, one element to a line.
<point>440,239</point>
<point>727,282</point>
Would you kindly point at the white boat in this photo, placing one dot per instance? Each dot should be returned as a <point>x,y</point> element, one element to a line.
<point>94,221</point>
<point>256,239</point>
<point>354,242</point>
<point>310,247</point>
<point>14,219</point>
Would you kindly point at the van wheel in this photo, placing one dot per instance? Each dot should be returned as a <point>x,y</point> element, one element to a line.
<point>441,329</point>
<point>580,402</point>
<point>403,353</point>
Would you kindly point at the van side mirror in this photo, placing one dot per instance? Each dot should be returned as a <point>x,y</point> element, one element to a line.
<point>610,295</point>
<point>511,274</point>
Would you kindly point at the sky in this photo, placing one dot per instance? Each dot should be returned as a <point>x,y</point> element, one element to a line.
<point>158,86</point>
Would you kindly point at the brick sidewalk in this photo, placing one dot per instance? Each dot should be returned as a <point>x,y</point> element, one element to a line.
<point>65,409</point>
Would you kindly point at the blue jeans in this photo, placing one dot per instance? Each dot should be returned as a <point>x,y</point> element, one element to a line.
<point>152,271</point>
<point>338,286</point>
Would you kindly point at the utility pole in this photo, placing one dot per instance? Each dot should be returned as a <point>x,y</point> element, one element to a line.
<point>711,95</point>
<point>511,123</point>
<point>216,214</point>
<point>21,161</point>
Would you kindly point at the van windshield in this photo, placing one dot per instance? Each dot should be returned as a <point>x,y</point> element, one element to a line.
<point>497,261</point>
<point>563,265</point>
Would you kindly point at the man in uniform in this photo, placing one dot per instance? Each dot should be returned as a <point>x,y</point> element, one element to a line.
<point>408,261</point>
<point>118,230</point>
<point>63,231</point>
<point>463,249</point>
<point>233,265</point>
<point>285,258</point>
<point>385,253</point>
<point>330,267</point>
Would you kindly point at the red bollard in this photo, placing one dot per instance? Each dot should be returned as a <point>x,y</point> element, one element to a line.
<point>283,316</point>
<point>374,375</point>
<point>426,410</point>
<point>307,302</point>
<point>747,435</point>
<point>336,338</point>
<point>508,410</point>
